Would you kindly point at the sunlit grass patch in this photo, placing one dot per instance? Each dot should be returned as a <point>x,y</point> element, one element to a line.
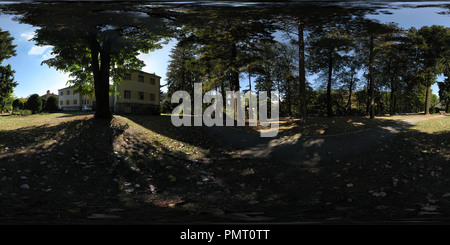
<point>440,124</point>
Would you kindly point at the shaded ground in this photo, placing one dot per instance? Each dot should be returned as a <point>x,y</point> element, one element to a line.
<point>71,168</point>
<point>309,147</point>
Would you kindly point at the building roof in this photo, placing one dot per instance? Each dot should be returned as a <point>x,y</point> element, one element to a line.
<point>439,106</point>
<point>48,94</point>
<point>153,74</point>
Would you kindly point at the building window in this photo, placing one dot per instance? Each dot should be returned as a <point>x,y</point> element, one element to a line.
<point>152,81</point>
<point>127,76</point>
<point>68,92</point>
<point>67,102</point>
<point>141,79</point>
<point>61,102</point>
<point>61,93</point>
<point>87,102</point>
<point>127,94</point>
<point>152,97</point>
<point>75,102</point>
<point>141,95</point>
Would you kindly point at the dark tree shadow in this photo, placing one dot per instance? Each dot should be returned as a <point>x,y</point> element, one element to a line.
<point>70,173</point>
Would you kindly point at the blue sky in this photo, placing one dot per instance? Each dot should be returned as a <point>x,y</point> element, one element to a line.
<point>36,78</point>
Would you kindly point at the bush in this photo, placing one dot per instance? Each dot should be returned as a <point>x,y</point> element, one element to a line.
<point>17,104</point>
<point>167,107</point>
<point>51,104</point>
<point>34,103</point>
<point>44,101</point>
<point>24,112</point>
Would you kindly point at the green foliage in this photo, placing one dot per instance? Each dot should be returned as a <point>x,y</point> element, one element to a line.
<point>94,42</point>
<point>24,112</point>
<point>34,103</point>
<point>17,104</point>
<point>444,93</point>
<point>51,104</point>
<point>7,85</point>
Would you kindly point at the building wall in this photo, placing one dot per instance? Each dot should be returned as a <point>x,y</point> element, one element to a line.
<point>138,93</point>
<point>68,100</point>
<point>134,86</point>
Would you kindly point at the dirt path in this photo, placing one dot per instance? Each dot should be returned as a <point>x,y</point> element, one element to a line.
<point>314,149</point>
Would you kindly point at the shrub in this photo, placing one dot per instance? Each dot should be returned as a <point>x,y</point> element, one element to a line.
<point>16,104</point>
<point>34,103</point>
<point>24,112</point>
<point>51,105</point>
<point>44,101</point>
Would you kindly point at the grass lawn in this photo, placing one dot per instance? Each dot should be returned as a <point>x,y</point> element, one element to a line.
<point>71,168</point>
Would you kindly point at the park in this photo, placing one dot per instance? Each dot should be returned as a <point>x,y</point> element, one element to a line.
<point>363,129</point>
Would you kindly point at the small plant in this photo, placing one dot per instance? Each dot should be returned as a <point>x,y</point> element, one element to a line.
<point>24,112</point>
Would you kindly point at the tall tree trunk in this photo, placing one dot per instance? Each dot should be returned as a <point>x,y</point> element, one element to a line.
<point>371,82</point>
<point>427,100</point>
<point>234,78</point>
<point>288,96</point>
<point>101,59</point>
<point>349,101</point>
<point>301,71</point>
<point>392,99</point>
<point>330,73</point>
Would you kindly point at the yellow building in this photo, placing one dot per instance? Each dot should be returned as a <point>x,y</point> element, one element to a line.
<point>138,94</point>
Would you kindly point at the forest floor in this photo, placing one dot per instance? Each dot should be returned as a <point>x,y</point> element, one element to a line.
<point>70,168</point>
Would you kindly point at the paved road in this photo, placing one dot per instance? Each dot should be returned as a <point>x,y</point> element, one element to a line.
<point>314,149</point>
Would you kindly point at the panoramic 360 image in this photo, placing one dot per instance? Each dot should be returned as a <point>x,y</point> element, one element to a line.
<point>231,112</point>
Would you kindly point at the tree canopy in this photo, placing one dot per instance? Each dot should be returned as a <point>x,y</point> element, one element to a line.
<point>95,42</point>
<point>7,83</point>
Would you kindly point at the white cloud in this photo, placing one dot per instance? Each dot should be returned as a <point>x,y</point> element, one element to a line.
<point>38,50</point>
<point>27,35</point>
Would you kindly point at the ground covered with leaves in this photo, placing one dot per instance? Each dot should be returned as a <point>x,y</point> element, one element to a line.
<point>72,168</point>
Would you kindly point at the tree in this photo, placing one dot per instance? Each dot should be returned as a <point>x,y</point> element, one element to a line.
<point>444,93</point>
<point>51,105</point>
<point>328,51</point>
<point>372,35</point>
<point>181,71</point>
<point>225,37</point>
<point>7,49</point>
<point>16,104</point>
<point>349,78</point>
<point>393,64</point>
<point>95,41</point>
<point>430,43</point>
<point>7,84</point>
<point>34,103</point>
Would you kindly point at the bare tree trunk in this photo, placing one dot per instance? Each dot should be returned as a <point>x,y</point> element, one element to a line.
<point>234,78</point>
<point>427,100</point>
<point>371,82</point>
<point>288,96</point>
<point>330,73</point>
<point>301,71</point>
<point>349,101</point>
<point>392,99</point>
